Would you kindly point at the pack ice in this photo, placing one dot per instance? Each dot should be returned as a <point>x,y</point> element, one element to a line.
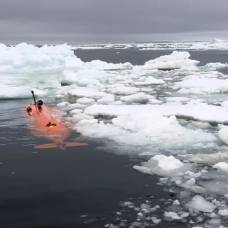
<point>170,112</point>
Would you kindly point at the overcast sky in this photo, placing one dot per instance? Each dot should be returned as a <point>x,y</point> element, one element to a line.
<point>109,20</point>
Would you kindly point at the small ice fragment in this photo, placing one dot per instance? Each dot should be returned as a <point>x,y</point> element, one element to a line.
<point>176,202</point>
<point>223,212</point>
<point>161,165</point>
<point>167,162</point>
<point>190,182</point>
<point>124,90</point>
<point>198,203</point>
<point>63,104</point>
<point>155,208</point>
<point>111,226</point>
<point>145,208</point>
<point>127,204</point>
<point>85,100</point>
<point>172,215</point>
<point>184,214</point>
<point>150,81</point>
<point>155,220</point>
<point>223,134</point>
<point>140,98</point>
<point>215,222</point>
<point>221,166</point>
<point>75,111</point>
<point>106,99</point>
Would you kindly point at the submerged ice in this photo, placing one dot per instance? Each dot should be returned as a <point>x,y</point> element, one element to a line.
<point>170,111</point>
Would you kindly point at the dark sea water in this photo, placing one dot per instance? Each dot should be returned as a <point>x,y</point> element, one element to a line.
<point>137,57</point>
<point>76,187</point>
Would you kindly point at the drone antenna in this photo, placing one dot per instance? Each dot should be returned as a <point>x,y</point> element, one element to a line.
<point>34,98</point>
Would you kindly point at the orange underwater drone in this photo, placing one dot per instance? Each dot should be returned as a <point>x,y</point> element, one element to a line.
<point>48,125</point>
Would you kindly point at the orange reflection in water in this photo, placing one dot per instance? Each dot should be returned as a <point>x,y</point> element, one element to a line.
<point>46,123</point>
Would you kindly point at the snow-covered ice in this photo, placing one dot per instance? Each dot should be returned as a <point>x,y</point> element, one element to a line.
<point>203,83</point>
<point>162,165</point>
<point>167,162</point>
<point>176,60</point>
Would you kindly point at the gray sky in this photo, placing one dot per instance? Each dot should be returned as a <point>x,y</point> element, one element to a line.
<point>110,20</point>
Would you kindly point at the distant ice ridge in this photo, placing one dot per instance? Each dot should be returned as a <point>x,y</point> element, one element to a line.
<point>216,44</point>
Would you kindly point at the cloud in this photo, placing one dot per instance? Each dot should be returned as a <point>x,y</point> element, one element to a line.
<point>105,17</point>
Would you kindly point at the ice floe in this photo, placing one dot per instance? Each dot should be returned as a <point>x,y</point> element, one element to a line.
<point>171,215</point>
<point>140,98</point>
<point>162,165</point>
<point>176,60</point>
<point>203,83</point>
<point>154,125</point>
<point>149,81</point>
